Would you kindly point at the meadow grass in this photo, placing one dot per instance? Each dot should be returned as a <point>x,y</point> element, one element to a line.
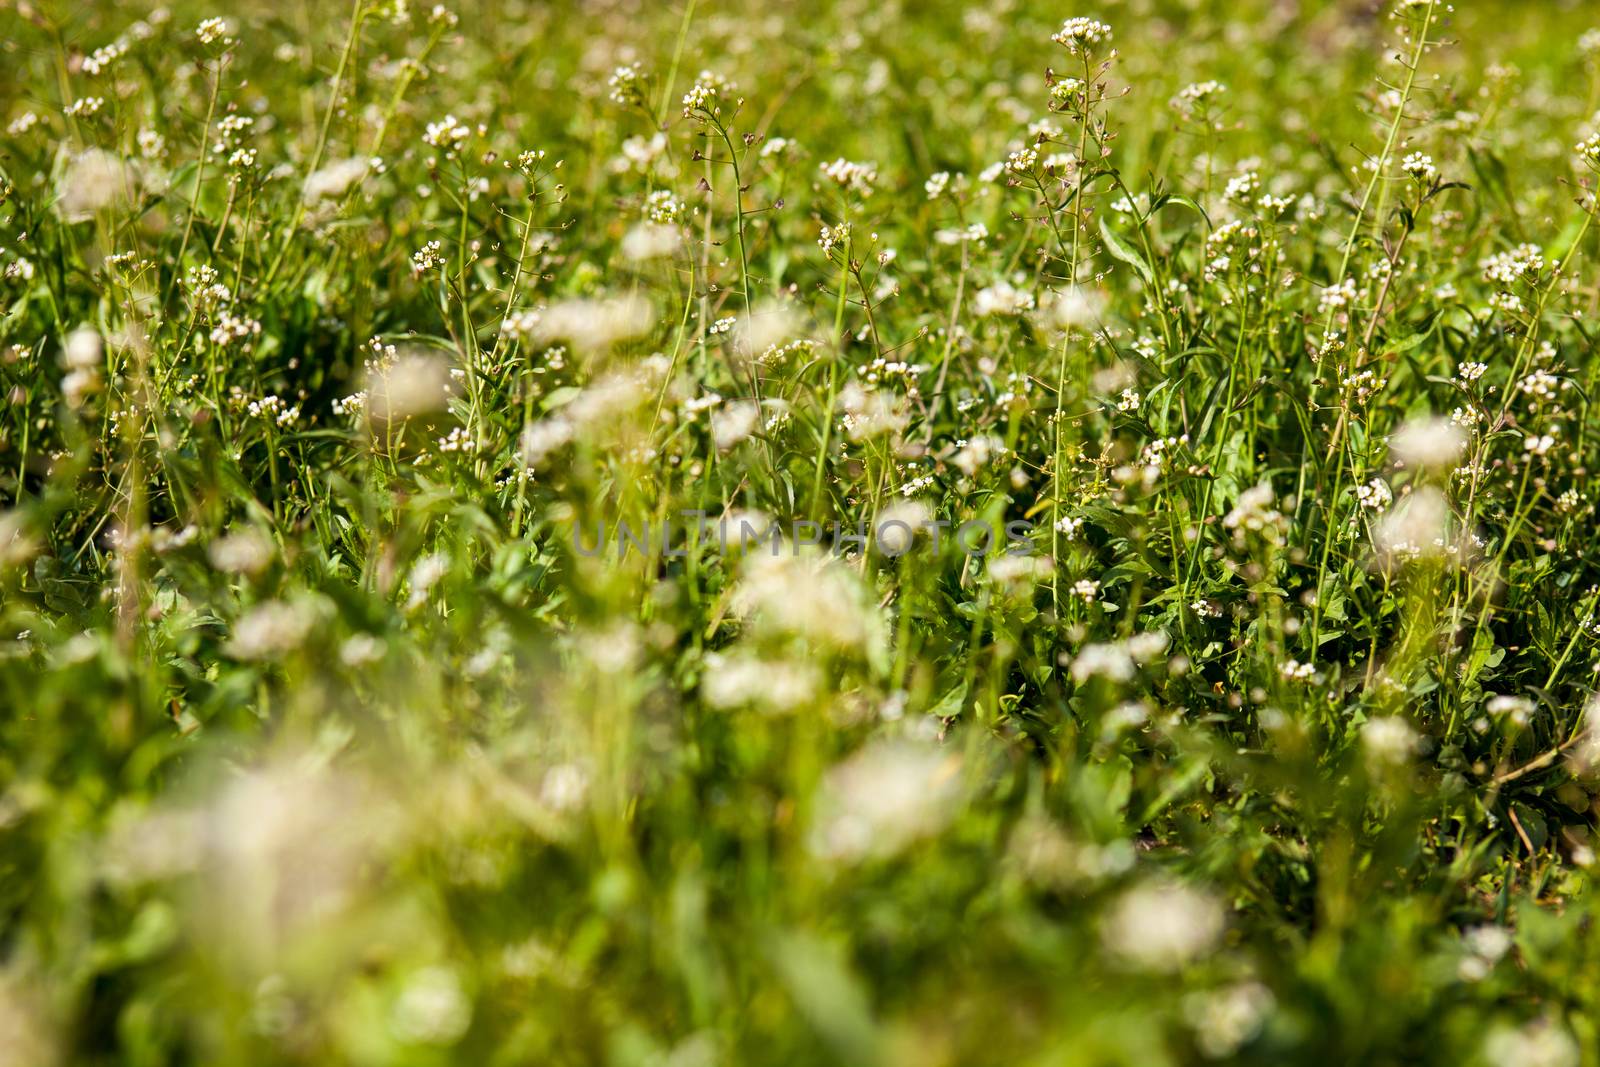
<point>798,533</point>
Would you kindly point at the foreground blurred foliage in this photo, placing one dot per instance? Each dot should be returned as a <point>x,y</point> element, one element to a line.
<point>343,724</point>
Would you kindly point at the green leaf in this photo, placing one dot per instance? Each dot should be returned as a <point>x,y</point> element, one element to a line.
<point>1125,252</point>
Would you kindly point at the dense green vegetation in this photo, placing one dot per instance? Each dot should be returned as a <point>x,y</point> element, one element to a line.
<point>1130,573</point>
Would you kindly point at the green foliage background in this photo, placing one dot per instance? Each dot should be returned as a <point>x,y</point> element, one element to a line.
<point>320,744</point>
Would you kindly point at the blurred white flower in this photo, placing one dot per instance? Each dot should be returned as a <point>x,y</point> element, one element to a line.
<point>432,1008</point>
<point>564,788</point>
<point>1001,298</point>
<point>1429,442</point>
<point>414,383</point>
<point>1072,309</point>
<point>594,325</point>
<point>1388,742</point>
<point>733,680</point>
<point>650,240</point>
<point>898,524</point>
<point>84,349</point>
<point>270,630</point>
<point>1163,925</point>
<point>1584,758</point>
<point>1415,528</point>
<point>1538,1043</point>
<point>1225,1019</point>
<point>333,179</point>
<point>808,596</point>
<point>96,180</point>
<point>883,798</point>
<point>246,552</point>
<point>770,324</point>
<point>733,422</point>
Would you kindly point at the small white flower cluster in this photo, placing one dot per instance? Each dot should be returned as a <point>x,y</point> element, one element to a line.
<point>212,30</point>
<point>626,85</point>
<point>1243,187</point>
<point>1510,303</point>
<point>1080,35</point>
<point>1588,151</point>
<point>232,129</point>
<point>781,147</point>
<point>1158,454</point>
<point>1118,661</point>
<point>1197,95</point>
<point>941,182</point>
<point>1254,513</point>
<point>87,105</point>
<point>1414,8</point>
<point>1540,444</point>
<point>1485,946</point>
<point>523,322</point>
<point>333,180</point>
<point>1542,386</point>
<point>856,177</point>
<point>1510,266</point>
<point>101,59</point>
<point>1363,385</point>
<point>1427,442</point>
<point>447,135</point>
<point>1022,160</point>
<point>1231,238</point>
<point>426,258</point>
<point>1162,926</point>
<point>230,327</point>
<point>274,407</point>
<point>1374,495</point>
<point>1420,167</point>
<point>650,240</point>
<point>741,679</point>
<point>458,440</point>
<point>976,233</point>
<point>1336,297</point>
<point>205,292</point>
<point>530,161</point>
<point>1002,298</point>
<point>882,371</point>
<point>662,208</point>
<point>1068,94</point>
<point>1295,671</point>
<point>270,630</point>
<point>834,237</point>
<point>705,96</point>
<point>1518,709</point>
<point>776,354</point>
